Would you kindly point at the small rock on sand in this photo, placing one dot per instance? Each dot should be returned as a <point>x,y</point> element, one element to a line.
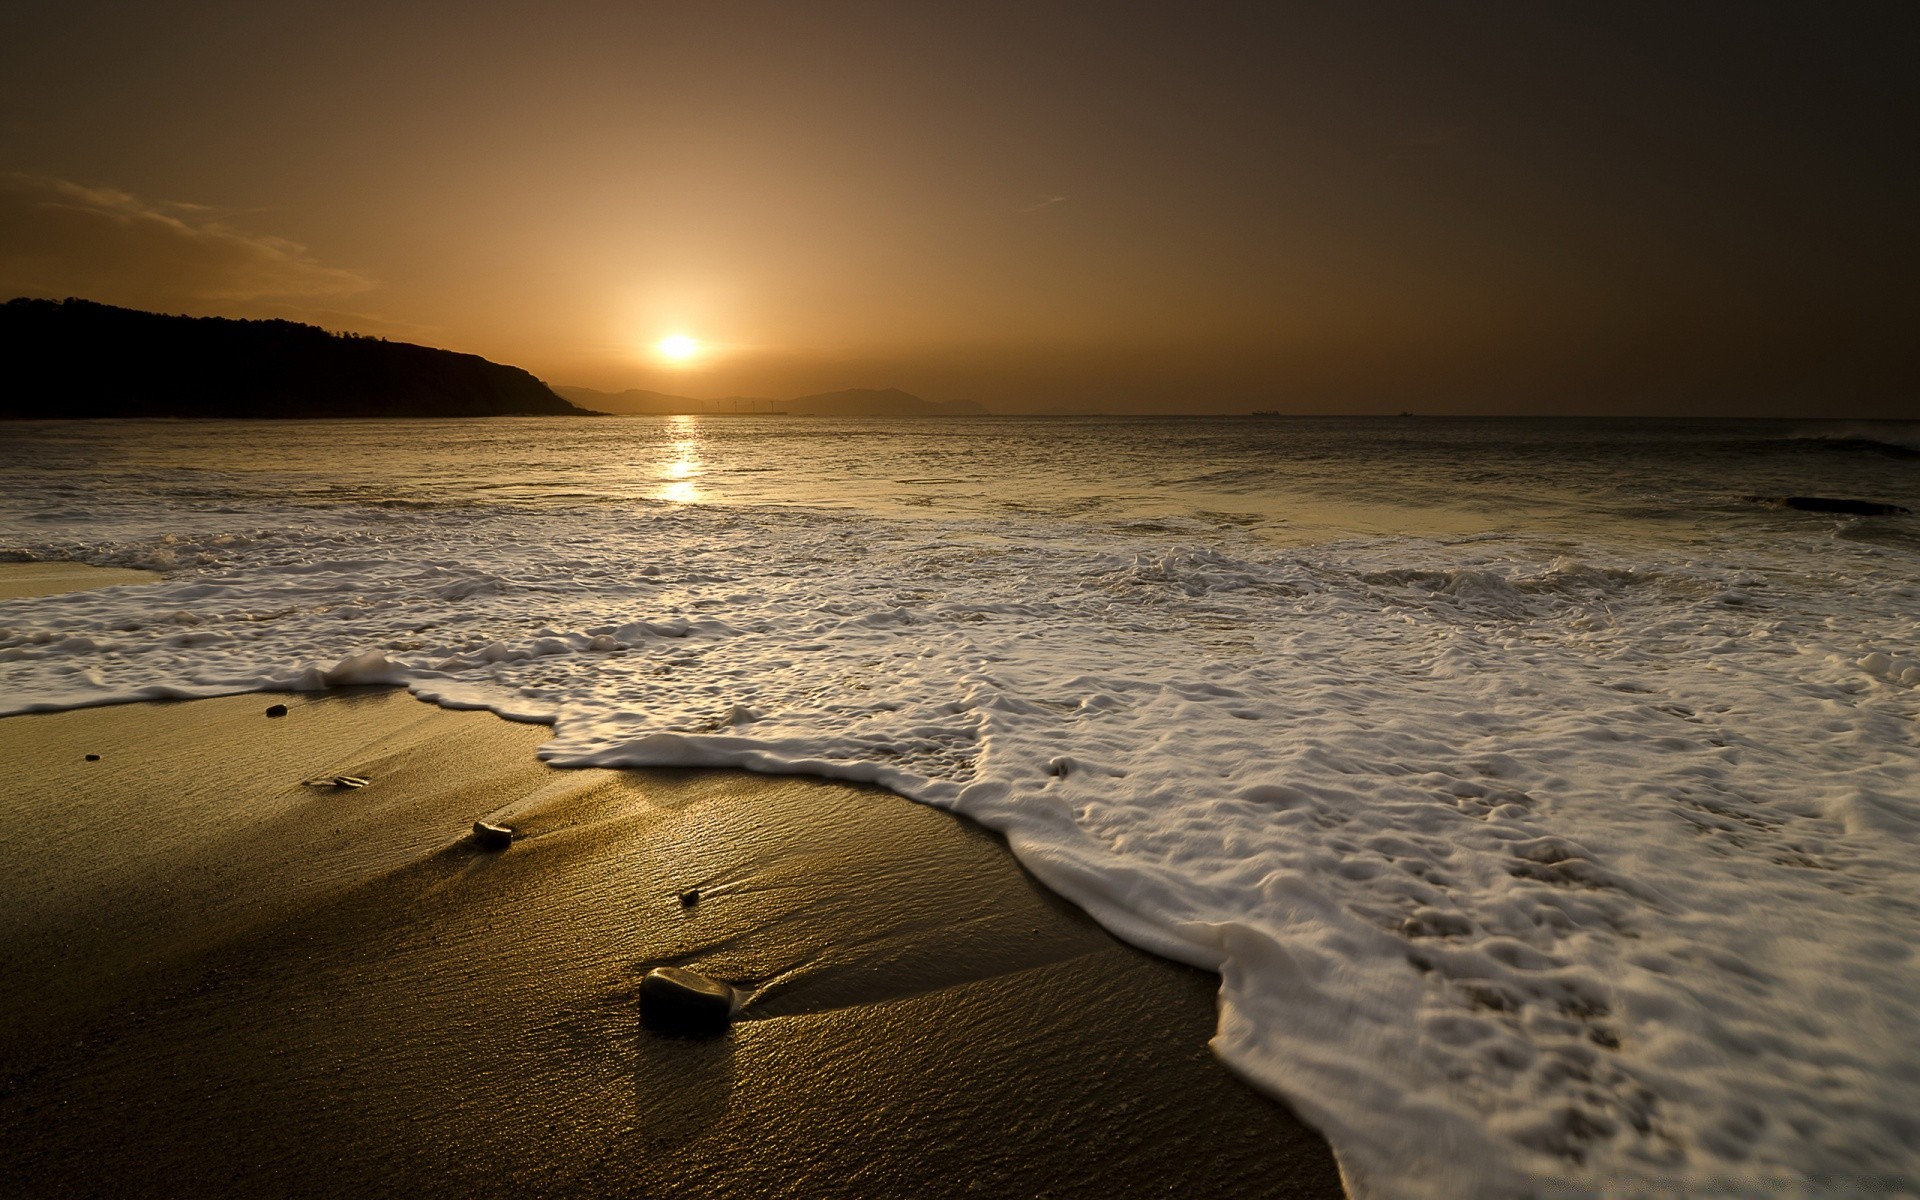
<point>689,898</point>
<point>337,782</point>
<point>674,1000</point>
<point>492,837</point>
<point>93,758</point>
<point>276,710</point>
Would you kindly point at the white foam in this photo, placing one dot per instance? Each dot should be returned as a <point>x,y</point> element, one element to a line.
<point>1531,868</point>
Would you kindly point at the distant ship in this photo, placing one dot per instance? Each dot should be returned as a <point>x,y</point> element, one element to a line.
<point>1266,412</point>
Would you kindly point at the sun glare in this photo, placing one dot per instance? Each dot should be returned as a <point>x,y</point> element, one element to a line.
<point>677,348</point>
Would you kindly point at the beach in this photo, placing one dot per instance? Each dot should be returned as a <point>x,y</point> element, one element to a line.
<point>231,977</point>
<point>1530,803</point>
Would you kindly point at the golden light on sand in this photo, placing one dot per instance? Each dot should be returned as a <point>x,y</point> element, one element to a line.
<point>678,348</point>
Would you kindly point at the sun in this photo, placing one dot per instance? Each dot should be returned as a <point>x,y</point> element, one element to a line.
<point>678,348</point>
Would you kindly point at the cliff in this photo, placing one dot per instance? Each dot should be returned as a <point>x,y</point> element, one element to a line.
<point>74,358</point>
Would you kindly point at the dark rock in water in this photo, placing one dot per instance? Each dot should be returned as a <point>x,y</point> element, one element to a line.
<point>1857,508</point>
<point>276,710</point>
<point>93,758</point>
<point>492,837</point>
<point>673,1000</point>
<point>690,897</point>
<point>1871,446</point>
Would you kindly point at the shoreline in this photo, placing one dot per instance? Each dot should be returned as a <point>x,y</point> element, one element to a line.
<point>229,982</point>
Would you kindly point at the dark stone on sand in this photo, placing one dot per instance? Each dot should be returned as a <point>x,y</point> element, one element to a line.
<point>675,1000</point>
<point>93,758</point>
<point>690,897</point>
<point>1856,508</point>
<point>350,781</point>
<point>276,710</point>
<point>492,837</point>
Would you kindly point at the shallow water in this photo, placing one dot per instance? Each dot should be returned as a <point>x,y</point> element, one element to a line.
<point>1549,802</point>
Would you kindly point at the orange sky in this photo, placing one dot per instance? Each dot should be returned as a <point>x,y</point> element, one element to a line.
<point>1483,207</point>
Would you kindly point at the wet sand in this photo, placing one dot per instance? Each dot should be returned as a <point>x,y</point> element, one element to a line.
<point>224,982</point>
<point>46,578</point>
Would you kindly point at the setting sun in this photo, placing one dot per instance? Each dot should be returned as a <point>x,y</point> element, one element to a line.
<point>678,348</point>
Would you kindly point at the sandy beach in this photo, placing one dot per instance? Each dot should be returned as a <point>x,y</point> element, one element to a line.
<point>230,979</point>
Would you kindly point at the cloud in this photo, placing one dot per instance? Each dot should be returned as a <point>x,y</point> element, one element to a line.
<point>64,239</point>
<point>1049,202</point>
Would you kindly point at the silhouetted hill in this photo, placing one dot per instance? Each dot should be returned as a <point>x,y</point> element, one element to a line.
<point>74,358</point>
<point>856,402</point>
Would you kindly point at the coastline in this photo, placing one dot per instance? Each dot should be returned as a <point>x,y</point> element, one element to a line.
<point>229,982</point>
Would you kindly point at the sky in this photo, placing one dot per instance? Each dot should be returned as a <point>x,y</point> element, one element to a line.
<point>1613,208</point>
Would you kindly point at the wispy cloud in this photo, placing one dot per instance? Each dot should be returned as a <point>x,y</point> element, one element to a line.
<point>59,238</point>
<point>1049,202</point>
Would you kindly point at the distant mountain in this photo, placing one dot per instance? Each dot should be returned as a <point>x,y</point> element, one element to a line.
<point>857,402</point>
<point>640,402</point>
<point>886,402</point>
<point>74,358</point>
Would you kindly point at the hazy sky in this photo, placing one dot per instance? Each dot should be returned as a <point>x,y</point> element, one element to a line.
<point>1484,207</point>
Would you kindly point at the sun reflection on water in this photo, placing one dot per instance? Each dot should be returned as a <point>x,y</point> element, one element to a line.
<point>684,468</point>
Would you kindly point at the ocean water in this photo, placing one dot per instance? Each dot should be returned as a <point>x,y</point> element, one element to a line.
<point>1547,794</point>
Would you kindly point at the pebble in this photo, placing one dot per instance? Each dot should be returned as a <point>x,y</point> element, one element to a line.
<point>93,758</point>
<point>492,837</point>
<point>276,710</point>
<point>689,898</point>
<point>675,1000</point>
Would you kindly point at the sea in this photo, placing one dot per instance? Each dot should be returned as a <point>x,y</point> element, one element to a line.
<point>1546,792</point>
